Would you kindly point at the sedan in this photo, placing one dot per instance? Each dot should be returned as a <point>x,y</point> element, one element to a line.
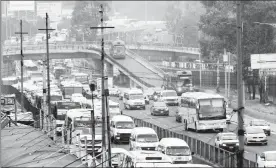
<point>254,135</point>
<point>159,108</point>
<point>228,141</point>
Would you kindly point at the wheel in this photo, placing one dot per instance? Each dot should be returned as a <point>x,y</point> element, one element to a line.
<point>130,148</point>
<point>144,108</point>
<point>268,133</point>
<point>221,130</point>
<point>265,144</point>
<point>112,139</point>
<point>125,106</point>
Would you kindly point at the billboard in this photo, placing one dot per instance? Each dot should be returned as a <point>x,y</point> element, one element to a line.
<point>21,6</point>
<point>263,61</point>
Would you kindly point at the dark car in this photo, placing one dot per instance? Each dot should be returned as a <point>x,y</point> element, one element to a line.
<point>149,93</point>
<point>156,95</point>
<point>159,108</point>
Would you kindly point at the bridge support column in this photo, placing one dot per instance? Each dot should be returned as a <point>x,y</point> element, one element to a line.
<point>132,84</point>
<point>109,69</point>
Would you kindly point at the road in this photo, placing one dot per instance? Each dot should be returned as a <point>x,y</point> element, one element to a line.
<point>169,122</point>
<point>141,71</point>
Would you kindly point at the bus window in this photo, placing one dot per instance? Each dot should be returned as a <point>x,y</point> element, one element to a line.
<point>217,102</point>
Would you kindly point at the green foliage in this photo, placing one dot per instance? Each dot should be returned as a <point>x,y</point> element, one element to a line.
<point>85,15</point>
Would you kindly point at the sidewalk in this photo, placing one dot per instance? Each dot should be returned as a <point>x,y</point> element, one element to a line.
<point>253,108</point>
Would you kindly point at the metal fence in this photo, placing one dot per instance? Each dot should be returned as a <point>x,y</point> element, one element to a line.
<point>211,154</point>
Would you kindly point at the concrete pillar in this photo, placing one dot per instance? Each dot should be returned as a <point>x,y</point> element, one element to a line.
<point>109,69</point>
<point>121,79</point>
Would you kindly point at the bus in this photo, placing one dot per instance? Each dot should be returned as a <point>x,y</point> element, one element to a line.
<point>118,49</point>
<point>181,82</point>
<point>83,78</point>
<point>202,111</point>
<point>78,121</point>
<point>58,71</point>
<point>61,108</point>
<point>69,88</point>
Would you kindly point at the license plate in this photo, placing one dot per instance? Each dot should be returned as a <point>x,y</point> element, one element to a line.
<point>231,147</point>
<point>138,106</point>
<point>162,111</point>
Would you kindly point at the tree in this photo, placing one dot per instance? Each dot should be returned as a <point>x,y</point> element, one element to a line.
<point>85,15</point>
<point>182,21</point>
<point>219,23</point>
<point>64,24</point>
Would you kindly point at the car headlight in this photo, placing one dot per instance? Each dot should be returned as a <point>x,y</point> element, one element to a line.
<point>223,145</point>
<point>166,108</point>
<point>179,89</point>
<point>237,144</point>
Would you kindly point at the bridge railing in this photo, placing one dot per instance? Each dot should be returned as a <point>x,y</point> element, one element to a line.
<point>150,46</point>
<point>191,66</point>
<point>211,154</point>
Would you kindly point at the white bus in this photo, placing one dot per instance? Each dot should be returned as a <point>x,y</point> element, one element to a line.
<point>202,111</point>
<point>134,98</point>
<point>70,88</point>
<point>78,121</point>
<point>83,78</point>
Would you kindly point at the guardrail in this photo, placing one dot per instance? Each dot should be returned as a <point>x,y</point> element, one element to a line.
<point>211,154</point>
<point>159,47</point>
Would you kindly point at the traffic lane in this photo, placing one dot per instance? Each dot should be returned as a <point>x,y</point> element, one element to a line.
<point>141,71</point>
<point>168,122</point>
<point>257,148</point>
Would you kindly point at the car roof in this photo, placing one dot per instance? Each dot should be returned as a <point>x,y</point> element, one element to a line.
<point>121,118</point>
<point>227,134</point>
<point>200,95</point>
<point>172,142</point>
<point>143,130</point>
<point>158,102</point>
<point>268,152</point>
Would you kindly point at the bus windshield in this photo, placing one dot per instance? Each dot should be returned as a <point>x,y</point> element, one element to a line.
<point>211,109</point>
<point>70,90</point>
<point>68,105</point>
<point>56,98</point>
<point>178,151</point>
<point>81,78</point>
<point>183,82</point>
<point>118,49</point>
<point>85,122</point>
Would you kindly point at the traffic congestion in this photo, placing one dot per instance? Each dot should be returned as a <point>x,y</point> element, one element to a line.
<point>187,110</point>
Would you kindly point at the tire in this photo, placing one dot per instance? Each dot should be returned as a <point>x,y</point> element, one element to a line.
<point>125,106</point>
<point>265,144</point>
<point>185,125</point>
<point>144,108</point>
<point>112,139</point>
<point>197,131</point>
<point>268,134</point>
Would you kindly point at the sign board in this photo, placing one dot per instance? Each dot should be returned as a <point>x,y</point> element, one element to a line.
<point>22,6</point>
<point>263,61</point>
<point>54,10</point>
<point>225,58</point>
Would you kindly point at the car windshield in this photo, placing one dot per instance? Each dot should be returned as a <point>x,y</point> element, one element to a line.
<point>113,106</point>
<point>167,94</point>
<point>159,104</point>
<point>147,138</point>
<point>138,96</point>
<point>178,151</point>
<point>124,125</point>
<point>270,157</point>
<point>229,137</point>
<point>259,123</point>
<point>254,130</point>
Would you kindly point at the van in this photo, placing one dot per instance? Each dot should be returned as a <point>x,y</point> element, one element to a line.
<point>134,98</point>
<point>169,97</point>
<point>143,138</point>
<point>177,149</point>
<point>121,127</point>
<point>134,159</point>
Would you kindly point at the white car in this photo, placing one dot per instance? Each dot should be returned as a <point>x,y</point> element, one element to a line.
<point>228,141</point>
<point>261,124</point>
<point>169,97</point>
<point>254,135</point>
<point>267,159</point>
<point>114,91</point>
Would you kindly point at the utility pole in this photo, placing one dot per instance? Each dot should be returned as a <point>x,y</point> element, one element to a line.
<point>21,53</point>
<point>48,69</point>
<point>218,78</point>
<point>92,88</point>
<point>45,123</point>
<point>229,75</point>
<point>241,100</point>
<point>1,58</point>
<point>103,89</point>
<point>225,71</point>
<point>108,121</point>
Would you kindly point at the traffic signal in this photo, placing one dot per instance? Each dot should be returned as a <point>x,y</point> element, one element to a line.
<point>92,87</point>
